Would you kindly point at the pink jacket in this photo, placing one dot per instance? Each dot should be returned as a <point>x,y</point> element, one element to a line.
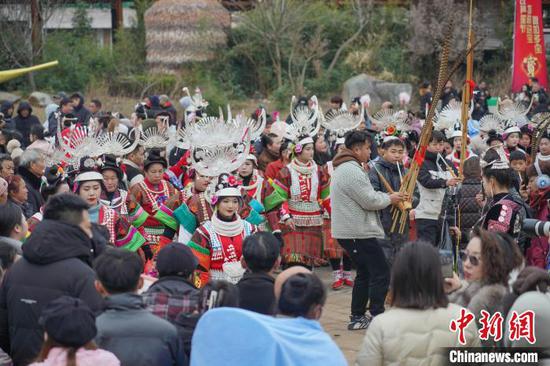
<point>58,357</point>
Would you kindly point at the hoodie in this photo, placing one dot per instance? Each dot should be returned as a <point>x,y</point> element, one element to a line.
<point>7,116</point>
<point>81,112</point>
<point>355,203</point>
<point>56,261</point>
<point>24,124</point>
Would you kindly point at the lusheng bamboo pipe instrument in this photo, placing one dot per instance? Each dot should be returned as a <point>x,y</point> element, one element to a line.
<point>444,74</point>
<point>467,91</point>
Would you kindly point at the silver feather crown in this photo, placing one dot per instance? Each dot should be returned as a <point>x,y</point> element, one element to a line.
<point>342,121</point>
<point>214,161</point>
<point>513,113</point>
<point>450,115</point>
<point>209,132</point>
<point>491,122</point>
<point>152,138</point>
<point>388,117</point>
<point>305,120</point>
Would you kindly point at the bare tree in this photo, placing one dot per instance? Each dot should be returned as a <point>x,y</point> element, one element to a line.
<point>302,55</point>
<point>360,11</point>
<point>276,23</point>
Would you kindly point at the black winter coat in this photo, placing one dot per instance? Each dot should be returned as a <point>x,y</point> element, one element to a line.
<point>256,293</point>
<point>136,336</point>
<point>470,211</point>
<point>24,124</point>
<point>34,200</point>
<point>56,261</point>
<point>81,112</point>
<point>390,172</point>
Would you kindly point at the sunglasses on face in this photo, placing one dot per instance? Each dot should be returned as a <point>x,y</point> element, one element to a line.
<point>472,258</point>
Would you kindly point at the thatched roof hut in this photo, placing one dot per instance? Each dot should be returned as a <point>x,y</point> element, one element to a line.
<point>181,31</point>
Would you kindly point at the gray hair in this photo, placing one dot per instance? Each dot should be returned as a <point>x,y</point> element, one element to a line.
<point>30,156</point>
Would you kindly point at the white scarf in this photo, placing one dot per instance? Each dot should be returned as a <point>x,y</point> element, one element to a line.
<point>305,169</point>
<point>225,228</point>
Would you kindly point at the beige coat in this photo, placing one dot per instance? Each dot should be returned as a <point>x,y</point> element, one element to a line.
<point>413,337</point>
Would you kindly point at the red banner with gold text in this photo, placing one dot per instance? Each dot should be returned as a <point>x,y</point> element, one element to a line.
<point>529,53</point>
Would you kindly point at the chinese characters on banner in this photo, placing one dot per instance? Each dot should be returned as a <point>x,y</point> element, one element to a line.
<point>529,53</point>
<point>519,326</point>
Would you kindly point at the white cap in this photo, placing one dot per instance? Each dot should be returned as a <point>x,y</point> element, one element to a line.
<point>229,192</point>
<point>89,176</point>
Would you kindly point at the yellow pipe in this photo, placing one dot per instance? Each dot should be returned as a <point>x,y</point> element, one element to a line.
<point>11,74</point>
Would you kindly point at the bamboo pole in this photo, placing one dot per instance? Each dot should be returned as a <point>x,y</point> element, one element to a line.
<point>467,92</point>
<point>11,74</point>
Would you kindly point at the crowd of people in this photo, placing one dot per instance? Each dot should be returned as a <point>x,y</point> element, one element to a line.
<point>161,239</point>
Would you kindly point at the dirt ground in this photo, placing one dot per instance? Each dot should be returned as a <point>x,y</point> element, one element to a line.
<point>336,316</point>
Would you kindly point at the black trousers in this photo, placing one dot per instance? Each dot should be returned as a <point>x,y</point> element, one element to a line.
<point>428,231</point>
<point>373,275</point>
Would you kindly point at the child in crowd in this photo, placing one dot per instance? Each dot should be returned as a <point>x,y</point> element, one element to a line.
<point>434,177</point>
<point>389,169</point>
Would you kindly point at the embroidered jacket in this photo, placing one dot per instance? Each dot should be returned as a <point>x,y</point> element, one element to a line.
<point>214,250</point>
<point>123,203</point>
<point>151,198</point>
<point>303,196</point>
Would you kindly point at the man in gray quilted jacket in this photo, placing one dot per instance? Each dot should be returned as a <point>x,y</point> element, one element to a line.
<point>357,227</point>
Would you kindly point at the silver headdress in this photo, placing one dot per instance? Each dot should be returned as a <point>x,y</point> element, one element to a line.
<point>342,121</point>
<point>153,138</point>
<point>214,161</point>
<point>305,122</point>
<point>80,142</point>
<point>491,122</point>
<point>255,126</point>
<point>456,131</point>
<point>513,113</point>
<point>117,143</point>
<point>192,103</point>
<point>450,115</point>
<point>388,118</point>
<point>217,146</point>
<point>501,163</point>
<point>210,132</point>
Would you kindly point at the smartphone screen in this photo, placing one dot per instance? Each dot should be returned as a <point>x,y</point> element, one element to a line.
<point>446,259</point>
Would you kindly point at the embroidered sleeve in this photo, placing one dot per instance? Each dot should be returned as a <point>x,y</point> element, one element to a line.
<point>251,210</point>
<point>126,235</point>
<point>200,246</point>
<point>136,214</point>
<point>324,188</point>
<point>278,190</point>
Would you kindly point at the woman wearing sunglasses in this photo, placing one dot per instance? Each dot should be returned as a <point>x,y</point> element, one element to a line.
<point>487,263</point>
<point>419,316</point>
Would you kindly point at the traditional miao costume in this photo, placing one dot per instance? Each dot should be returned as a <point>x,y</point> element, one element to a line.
<point>255,188</point>
<point>183,213</point>
<point>301,190</point>
<point>120,200</point>
<point>151,197</point>
<point>121,233</point>
<point>218,243</point>
<point>190,209</point>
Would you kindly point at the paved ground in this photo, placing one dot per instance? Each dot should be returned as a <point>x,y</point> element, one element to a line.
<point>336,316</point>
